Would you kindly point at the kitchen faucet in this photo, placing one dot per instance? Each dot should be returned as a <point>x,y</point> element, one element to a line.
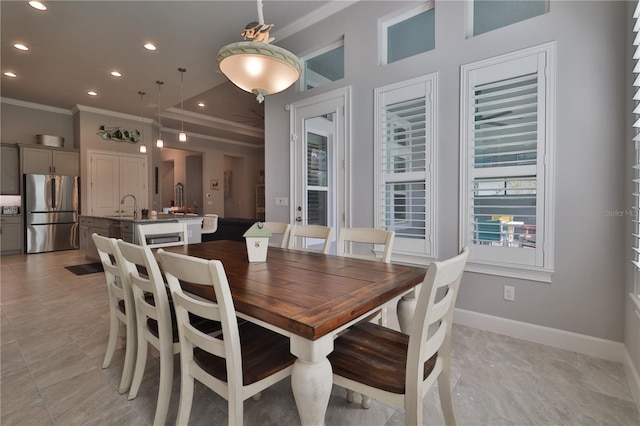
<point>135,204</point>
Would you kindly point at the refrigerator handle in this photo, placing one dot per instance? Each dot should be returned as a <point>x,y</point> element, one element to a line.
<point>53,191</point>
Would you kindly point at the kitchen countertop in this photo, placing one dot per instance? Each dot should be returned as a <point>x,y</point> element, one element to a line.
<point>162,217</point>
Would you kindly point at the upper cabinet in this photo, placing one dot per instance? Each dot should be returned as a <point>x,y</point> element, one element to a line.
<point>10,179</point>
<point>112,176</point>
<point>50,161</point>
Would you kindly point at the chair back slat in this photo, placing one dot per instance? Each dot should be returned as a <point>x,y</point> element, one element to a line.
<point>376,238</point>
<point>299,232</point>
<point>279,228</point>
<point>141,258</point>
<point>442,275</point>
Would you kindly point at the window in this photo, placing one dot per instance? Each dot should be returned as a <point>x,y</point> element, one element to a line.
<point>323,66</point>
<point>405,149</point>
<point>636,140</point>
<point>488,15</point>
<point>408,34</point>
<point>507,182</point>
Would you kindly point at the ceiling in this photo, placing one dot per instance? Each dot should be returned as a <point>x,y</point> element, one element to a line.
<point>74,45</point>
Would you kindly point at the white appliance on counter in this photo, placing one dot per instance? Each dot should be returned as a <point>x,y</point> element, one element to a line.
<point>51,212</point>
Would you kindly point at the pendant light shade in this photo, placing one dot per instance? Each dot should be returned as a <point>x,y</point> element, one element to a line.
<point>182,136</point>
<point>143,147</point>
<point>257,66</point>
<point>160,141</point>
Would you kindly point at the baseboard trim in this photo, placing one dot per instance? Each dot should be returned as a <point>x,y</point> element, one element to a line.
<point>581,343</point>
<point>632,376</point>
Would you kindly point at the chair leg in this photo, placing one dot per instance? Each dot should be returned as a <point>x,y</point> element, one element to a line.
<point>114,324</point>
<point>236,406</point>
<point>164,388</point>
<point>444,389</point>
<point>186,398</point>
<point>129,359</point>
<point>366,401</point>
<point>350,394</point>
<point>141,363</point>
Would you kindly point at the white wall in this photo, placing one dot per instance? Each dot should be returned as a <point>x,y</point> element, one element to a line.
<point>587,292</point>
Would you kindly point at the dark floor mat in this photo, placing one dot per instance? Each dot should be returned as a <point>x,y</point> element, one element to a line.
<point>88,268</point>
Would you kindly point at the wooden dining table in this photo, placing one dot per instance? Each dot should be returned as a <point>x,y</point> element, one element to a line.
<point>310,298</point>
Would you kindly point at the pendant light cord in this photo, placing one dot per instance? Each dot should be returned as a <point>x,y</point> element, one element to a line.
<point>182,71</point>
<point>141,93</point>
<point>159,83</point>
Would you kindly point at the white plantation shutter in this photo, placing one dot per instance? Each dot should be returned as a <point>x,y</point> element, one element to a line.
<point>404,129</point>
<point>504,156</point>
<point>506,181</point>
<point>636,138</point>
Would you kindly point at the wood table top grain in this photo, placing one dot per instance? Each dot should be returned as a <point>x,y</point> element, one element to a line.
<point>307,294</point>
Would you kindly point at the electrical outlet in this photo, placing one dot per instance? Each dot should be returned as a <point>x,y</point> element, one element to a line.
<point>509,293</point>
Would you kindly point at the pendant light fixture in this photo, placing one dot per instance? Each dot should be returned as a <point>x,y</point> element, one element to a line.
<point>160,141</point>
<point>143,147</point>
<point>182,136</point>
<point>256,66</point>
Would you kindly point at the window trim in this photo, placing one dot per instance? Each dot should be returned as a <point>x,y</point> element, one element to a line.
<point>635,138</point>
<point>385,22</point>
<point>469,15</point>
<point>302,81</point>
<point>399,255</point>
<point>493,267</point>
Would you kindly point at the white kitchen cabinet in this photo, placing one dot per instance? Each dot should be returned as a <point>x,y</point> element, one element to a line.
<point>112,176</point>
<point>50,161</point>
<point>11,234</point>
<point>10,170</point>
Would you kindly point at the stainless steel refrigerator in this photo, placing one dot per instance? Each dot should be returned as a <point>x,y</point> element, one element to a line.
<point>51,212</point>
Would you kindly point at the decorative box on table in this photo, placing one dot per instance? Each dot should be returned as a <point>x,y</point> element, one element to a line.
<point>257,238</point>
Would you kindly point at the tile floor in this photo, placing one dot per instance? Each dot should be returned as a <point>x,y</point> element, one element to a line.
<point>54,329</point>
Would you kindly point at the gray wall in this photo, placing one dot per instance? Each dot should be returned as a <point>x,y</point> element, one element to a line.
<point>587,293</point>
<point>21,124</point>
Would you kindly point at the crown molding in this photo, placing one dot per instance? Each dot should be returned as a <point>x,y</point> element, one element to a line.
<point>212,122</point>
<point>32,105</point>
<point>212,138</point>
<point>111,113</point>
<point>314,17</point>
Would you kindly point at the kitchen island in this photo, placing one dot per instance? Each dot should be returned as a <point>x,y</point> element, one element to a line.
<point>125,227</point>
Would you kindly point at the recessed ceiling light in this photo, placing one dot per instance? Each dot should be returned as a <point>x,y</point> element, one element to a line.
<point>150,46</point>
<point>37,5</point>
<point>10,74</point>
<point>92,93</point>
<point>201,104</point>
<point>116,74</point>
<point>20,46</point>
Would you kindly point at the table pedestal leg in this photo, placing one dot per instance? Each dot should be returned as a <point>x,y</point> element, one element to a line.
<point>311,379</point>
<point>406,308</point>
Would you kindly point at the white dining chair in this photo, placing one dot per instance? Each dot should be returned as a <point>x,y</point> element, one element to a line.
<point>154,319</point>
<point>398,369</point>
<point>237,364</point>
<point>366,239</point>
<point>299,233</point>
<point>121,307</point>
<point>209,223</point>
<point>281,230</point>
<point>163,234</point>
